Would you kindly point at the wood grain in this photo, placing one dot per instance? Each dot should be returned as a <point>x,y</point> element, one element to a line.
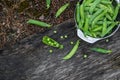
<point>30,58</point>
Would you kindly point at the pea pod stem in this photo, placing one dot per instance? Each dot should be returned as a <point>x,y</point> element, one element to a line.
<point>39,23</point>
<point>73,51</point>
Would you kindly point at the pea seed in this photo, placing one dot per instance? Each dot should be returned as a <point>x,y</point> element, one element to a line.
<point>66,36</point>
<point>61,37</point>
<point>71,42</point>
<point>50,51</point>
<point>85,56</point>
<point>55,32</point>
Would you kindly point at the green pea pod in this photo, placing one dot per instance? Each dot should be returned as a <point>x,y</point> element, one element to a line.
<point>48,3</point>
<point>73,51</point>
<point>101,50</point>
<point>50,42</point>
<point>95,3</point>
<point>98,28</point>
<point>101,22</point>
<point>61,10</point>
<point>109,17</point>
<point>78,15</point>
<point>87,2</point>
<point>98,17</point>
<point>109,29</point>
<point>86,25</point>
<point>116,11</point>
<point>104,29</point>
<point>95,15</point>
<point>39,23</point>
<point>82,14</point>
<point>106,2</point>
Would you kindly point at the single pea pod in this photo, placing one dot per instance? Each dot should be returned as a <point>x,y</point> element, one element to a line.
<point>116,11</point>
<point>73,51</point>
<point>39,23</point>
<point>110,28</point>
<point>104,28</point>
<point>51,42</point>
<point>48,3</point>
<point>101,50</point>
<point>61,9</point>
<point>82,16</point>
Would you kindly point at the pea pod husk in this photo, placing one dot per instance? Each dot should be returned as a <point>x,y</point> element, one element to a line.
<point>101,50</point>
<point>39,23</point>
<point>61,9</point>
<point>51,42</point>
<point>73,51</point>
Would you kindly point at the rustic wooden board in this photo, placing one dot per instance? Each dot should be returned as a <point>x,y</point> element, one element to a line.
<point>30,59</point>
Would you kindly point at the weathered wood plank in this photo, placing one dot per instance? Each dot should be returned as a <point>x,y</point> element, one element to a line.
<point>30,59</point>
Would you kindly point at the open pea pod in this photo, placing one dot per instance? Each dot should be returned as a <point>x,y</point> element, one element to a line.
<point>51,42</point>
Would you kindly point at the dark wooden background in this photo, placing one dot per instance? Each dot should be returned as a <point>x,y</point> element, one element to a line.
<point>30,58</point>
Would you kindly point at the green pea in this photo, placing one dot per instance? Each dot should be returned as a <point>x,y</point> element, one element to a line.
<point>55,32</point>
<point>39,23</point>
<point>107,40</point>
<point>85,56</point>
<point>50,51</point>
<point>66,36</point>
<point>71,43</point>
<point>61,37</point>
<point>61,10</point>
<point>73,51</point>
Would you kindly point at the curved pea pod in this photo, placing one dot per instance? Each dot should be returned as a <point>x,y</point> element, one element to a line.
<point>95,15</point>
<point>109,29</point>
<point>61,10</point>
<point>116,11</point>
<point>86,2</point>
<point>106,2</point>
<point>73,51</point>
<point>101,50</point>
<point>48,3</point>
<point>98,28</point>
<point>99,17</point>
<point>86,25</point>
<point>104,28</point>
<point>82,16</point>
<point>94,4</point>
<point>39,23</point>
<point>50,42</point>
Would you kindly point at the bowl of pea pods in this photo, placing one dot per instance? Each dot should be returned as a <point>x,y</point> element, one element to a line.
<point>97,19</point>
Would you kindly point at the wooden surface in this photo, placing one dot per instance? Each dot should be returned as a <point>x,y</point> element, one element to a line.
<point>30,59</point>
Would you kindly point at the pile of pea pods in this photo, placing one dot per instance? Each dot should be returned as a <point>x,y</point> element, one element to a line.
<point>97,18</point>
